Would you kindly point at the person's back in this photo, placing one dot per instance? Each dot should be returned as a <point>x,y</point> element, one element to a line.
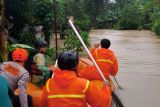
<point>14,75</point>
<point>12,72</point>
<point>65,89</point>
<point>105,59</point>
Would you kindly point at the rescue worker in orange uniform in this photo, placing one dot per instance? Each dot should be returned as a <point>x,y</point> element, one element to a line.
<point>106,60</point>
<point>13,75</point>
<point>65,89</point>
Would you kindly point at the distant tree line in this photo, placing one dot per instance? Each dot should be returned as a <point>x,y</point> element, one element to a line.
<point>24,15</point>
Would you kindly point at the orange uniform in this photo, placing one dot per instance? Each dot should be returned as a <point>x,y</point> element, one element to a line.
<point>65,89</point>
<point>107,62</point>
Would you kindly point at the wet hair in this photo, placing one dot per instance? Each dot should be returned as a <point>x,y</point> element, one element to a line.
<point>105,43</point>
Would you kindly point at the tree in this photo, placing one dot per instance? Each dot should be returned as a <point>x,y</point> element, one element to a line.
<point>76,8</point>
<point>1,11</point>
<point>30,13</point>
<point>3,43</point>
<point>94,8</point>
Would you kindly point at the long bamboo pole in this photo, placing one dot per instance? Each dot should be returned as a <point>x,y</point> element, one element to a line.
<point>114,96</point>
<point>79,37</point>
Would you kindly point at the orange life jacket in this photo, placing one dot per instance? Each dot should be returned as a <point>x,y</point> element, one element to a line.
<point>73,96</point>
<point>106,61</point>
<point>67,90</point>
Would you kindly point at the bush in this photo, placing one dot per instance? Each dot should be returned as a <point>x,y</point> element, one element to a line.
<point>130,17</point>
<point>156,27</point>
<point>84,24</point>
<point>50,56</point>
<point>155,18</point>
<point>127,24</point>
<point>27,38</point>
<point>72,42</point>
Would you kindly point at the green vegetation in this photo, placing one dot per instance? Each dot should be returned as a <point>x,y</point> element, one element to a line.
<point>122,14</point>
<point>136,14</point>
<point>73,43</point>
<point>25,15</point>
<point>22,16</point>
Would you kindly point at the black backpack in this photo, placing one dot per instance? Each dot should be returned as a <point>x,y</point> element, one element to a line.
<point>30,64</point>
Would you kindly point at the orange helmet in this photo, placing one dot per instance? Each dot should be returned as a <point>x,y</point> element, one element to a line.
<point>19,54</point>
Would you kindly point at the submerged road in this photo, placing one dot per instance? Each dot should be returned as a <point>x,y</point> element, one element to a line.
<point>138,53</point>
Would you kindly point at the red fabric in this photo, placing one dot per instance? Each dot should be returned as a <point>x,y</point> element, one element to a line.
<point>66,82</point>
<point>106,67</point>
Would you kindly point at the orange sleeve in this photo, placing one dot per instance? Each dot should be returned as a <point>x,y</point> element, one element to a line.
<point>97,98</point>
<point>114,68</point>
<point>44,99</point>
<point>92,53</point>
<point>90,73</point>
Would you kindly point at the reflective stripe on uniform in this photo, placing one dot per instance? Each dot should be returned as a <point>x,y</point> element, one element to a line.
<point>86,87</point>
<point>66,96</point>
<point>47,86</point>
<point>103,60</point>
<point>96,53</point>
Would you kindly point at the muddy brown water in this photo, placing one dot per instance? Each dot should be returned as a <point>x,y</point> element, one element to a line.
<point>138,53</point>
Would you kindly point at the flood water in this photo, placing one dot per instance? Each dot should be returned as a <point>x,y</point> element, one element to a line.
<point>138,53</point>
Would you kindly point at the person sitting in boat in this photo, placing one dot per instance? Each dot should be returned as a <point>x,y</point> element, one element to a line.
<point>36,66</point>
<point>106,60</point>
<point>13,75</point>
<point>65,89</point>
